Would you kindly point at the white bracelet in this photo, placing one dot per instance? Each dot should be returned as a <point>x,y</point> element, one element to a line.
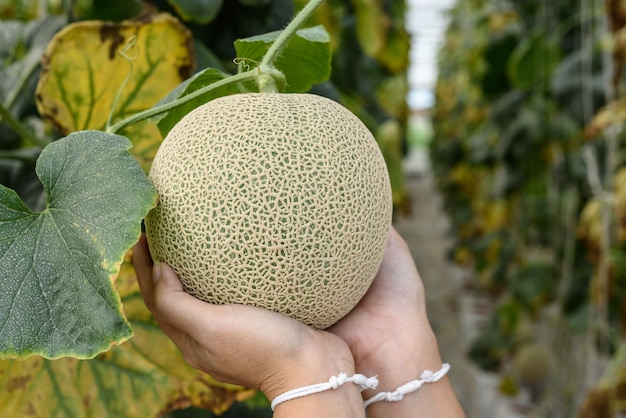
<point>333,383</point>
<point>427,376</point>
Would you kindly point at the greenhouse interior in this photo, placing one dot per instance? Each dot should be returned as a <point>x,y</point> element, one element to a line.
<point>497,155</point>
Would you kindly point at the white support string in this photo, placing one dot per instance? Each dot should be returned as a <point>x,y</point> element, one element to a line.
<point>427,376</point>
<point>333,383</point>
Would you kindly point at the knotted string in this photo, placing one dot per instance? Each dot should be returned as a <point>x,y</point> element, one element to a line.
<point>333,383</point>
<point>364,382</point>
<point>427,376</point>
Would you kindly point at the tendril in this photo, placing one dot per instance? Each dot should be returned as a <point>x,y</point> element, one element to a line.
<point>130,45</point>
<point>243,63</point>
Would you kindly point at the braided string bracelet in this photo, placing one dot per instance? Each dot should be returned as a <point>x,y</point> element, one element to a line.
<point>427,376</point>
<point>364,382</point>
<point>333,383</point>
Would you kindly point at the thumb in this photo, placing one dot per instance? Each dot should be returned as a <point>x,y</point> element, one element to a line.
<point>148,282</point>
<point>165,277</point>
<point>173,306</point>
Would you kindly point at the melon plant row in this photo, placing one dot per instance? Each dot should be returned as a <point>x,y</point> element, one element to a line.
<point>87,94</point>
<point>529,154</point>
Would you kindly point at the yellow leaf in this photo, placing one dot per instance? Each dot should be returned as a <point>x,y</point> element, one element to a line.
<point>395,55</point>
<point>620,203</point>
<point>590,225</point>
<point>391,94</point>
<point>507,386</point>
<point>83,70</point>
<point>381,35</point>
<point>372,26</point>
<point>612,114</point>
<point>144,377</point>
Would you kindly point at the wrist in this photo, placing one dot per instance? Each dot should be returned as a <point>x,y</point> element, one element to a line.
<point>323,357</point>
<point>398,361</point>
<point>398,364</point>
<point>343,402</point>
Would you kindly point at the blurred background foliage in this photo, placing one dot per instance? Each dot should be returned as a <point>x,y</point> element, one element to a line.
<point>529,152</point>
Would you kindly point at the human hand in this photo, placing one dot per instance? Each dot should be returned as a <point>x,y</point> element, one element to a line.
<point>391,318</point>
<point>249,346</point>
<point>389,335</point>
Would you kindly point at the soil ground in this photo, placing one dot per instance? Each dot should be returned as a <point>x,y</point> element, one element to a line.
<point>453,310</point>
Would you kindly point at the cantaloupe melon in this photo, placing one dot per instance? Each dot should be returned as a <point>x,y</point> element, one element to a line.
<point>281,201</point>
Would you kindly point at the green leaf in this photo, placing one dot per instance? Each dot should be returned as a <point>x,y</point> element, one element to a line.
<point>372,26</point>
<point>114,10</point>
<point>205,57</point>
<point>533,285</point>
<point>202,79</point>
<point>23,45</point>
<point>10,37</point>
<point>145,376</point>
<point>534,60</point>
<point>305,61</point>
<point>18,173</point>
<point>58,265</point>
<point>200,11</point>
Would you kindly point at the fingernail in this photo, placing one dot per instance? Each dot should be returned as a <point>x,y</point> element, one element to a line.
<point>156,272</point>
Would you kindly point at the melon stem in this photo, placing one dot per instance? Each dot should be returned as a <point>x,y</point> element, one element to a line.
<point>266,83</point>
<point>157,110</point>
<point>269,80</point>
<point>280,42</point>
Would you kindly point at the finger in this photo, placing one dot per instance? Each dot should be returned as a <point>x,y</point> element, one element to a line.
<point>146,271</point>
<point>398,255</point>
<point>222,324</point>
<point>173,306</point>
<point>396,241</point>
<point>142,261</point>
<point>203,332</point>
<point>175,310</point>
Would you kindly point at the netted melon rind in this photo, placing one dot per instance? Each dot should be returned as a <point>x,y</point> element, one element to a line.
<point>280,201</point>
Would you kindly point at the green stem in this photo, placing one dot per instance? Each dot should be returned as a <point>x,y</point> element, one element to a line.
<point>149,113</point>
<point>280,42</point>
<point>22,155</point>
<point>266,84</point>
<point>20,129</point>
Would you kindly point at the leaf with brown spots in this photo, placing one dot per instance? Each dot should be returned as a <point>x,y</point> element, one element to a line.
<point>84,68</point>
<point>144,377</point>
